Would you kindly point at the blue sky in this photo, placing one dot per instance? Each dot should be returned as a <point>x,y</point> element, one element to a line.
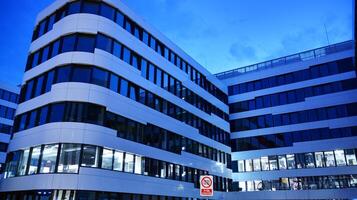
<point>221,35</point>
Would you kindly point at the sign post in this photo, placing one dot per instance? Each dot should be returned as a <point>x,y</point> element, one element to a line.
<point>206,186</point>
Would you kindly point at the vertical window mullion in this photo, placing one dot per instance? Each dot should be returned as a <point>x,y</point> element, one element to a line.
<point>58,157</point>
<point>28,161</point>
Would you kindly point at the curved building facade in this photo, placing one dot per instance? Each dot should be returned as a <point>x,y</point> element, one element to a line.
<point>110,108</point>
<point>8,103</point>
<point>293,126</point>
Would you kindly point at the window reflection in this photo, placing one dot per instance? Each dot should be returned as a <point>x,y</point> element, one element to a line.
<point>69,158</point>
<point>35,157</point>
<point>49,156</point>
<point>129,163</point>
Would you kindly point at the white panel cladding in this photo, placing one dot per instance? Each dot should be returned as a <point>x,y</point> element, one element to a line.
<point>4,137</point>
<point>6,121</point>
<point>119,104</point>
<point>104,180</point>
<point>339,98</point>
<point>8,104</point>
<point>275,175</point>
<point>345,193</point>
<point>292,86</point>
<point>299,147</point>
<point>71,132</point>
<point>87,23</point>
<point>283,69</point>
<point>157,34</point>
<point>331,123</point>
<point>106,61</point>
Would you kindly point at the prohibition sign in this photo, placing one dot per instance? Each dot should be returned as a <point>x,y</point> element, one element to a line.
<point>206,182</point>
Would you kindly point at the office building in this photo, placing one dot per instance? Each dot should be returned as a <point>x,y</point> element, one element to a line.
<point>110,108</point>
<point>8,104</point>
<point>294,125</point>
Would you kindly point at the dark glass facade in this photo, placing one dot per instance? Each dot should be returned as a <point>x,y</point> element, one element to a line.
<point>68,158</point>
<point>95,75</point>
<point>107,11</point>
<point>126,128</point>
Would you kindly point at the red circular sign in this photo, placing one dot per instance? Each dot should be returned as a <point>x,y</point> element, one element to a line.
<point>206,182</point>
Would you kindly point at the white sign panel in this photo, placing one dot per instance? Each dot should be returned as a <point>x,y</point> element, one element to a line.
<point>206,186</point>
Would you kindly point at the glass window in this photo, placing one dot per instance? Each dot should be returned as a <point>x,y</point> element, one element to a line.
<point>29,90</point>
<point>124,87</point>
<point>282,162</point>
<point>43,115</point>
<point>120,19</point>
<point>256,164</point>
<point>158,77</point>
<point>118,161</point>
<point>49,157</point>
<point>73,7</point>
<point>22,123</point>
<point>145,37</point>
<point>35,158</point>
<point>265,163</point>
<point>309,160</point>
<point>129,163</point>
<point>81,74</point>
<point>57,112</point>
<point>114,81</point>
<point>100,77</point>
<point>68,43</point>
<point>105,43</point>
<point>319,158</point>
<point>135,61</point>
<point>133,89</point>
<point>45,53</point>
<point>51,21</point>
<point>12,164</point>
<point>69,158</point>
<point>107,159</point>
<point>351,157</point>
<point>128,25</point>
<point>49,81</point>
<point>55,48</point>
<point>329,159</point>
<point>241,166</point>
<point>290,158</point>
<point>300,160</point>
<point>248,165</point>
<point>250,185</point>
<point>107,11</point>
<point>90,156</point>
<point>23,162</point>
<point>35,59</point>
<point>151,73</point>
<point>85,43</point>
<point>273,163</point>
<point>242,186</point>
<point>152,42</point>
<point>90,7</point>
<point>126,55</point>
<point>138,165</point>
<point>340,158</point>
<point>63,74</point>
<point>117,49</point>
<point>32,119</point>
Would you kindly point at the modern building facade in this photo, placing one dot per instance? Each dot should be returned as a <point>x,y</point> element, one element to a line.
<point>111,109</point>
<point>8,104</point>
<point>293,126</point>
